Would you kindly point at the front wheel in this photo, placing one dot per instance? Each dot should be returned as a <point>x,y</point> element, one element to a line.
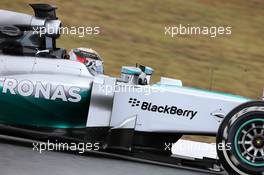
<point>240,140</point>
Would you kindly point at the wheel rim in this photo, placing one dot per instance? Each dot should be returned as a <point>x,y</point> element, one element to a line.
<point>249,142</point>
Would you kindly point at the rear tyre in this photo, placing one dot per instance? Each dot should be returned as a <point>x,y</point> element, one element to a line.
<point>240,140</point>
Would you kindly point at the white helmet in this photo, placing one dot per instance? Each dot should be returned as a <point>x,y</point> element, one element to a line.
<point>89,57</point>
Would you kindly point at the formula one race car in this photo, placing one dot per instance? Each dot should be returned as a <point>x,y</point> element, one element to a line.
<point>44,96</point>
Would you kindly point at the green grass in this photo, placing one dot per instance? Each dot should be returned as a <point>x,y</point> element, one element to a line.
<point>133,32</point>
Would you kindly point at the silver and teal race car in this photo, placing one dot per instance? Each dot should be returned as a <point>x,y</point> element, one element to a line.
<point>44,95</point>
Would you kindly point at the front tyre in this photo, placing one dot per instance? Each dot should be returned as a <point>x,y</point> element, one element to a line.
<point>240,140</point>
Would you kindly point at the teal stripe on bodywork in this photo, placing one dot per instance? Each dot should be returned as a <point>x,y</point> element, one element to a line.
<point>166,86</point>
<point>31,111</point>
<point>131,70</point>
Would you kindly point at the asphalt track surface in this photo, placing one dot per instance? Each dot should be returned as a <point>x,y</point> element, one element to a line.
<point>22,160</point>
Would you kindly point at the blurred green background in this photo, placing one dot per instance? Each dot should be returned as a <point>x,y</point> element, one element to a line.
<point>133,32</point>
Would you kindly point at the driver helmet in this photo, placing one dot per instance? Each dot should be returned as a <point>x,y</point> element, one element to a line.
<point>89,57</point>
